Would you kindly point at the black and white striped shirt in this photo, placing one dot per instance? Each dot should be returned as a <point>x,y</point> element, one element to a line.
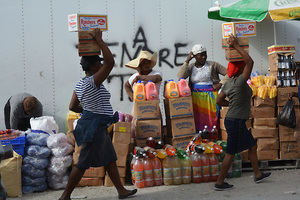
<point>92,98</point>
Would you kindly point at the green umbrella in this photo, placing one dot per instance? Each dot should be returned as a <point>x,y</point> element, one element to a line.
<point>257,10</point>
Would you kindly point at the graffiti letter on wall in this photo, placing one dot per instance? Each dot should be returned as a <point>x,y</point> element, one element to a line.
<point>177,46</point>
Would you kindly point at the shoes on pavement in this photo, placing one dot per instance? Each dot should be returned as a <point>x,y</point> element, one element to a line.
<point>262,177</point>
<point>224,186</point>
<point>128,195</point>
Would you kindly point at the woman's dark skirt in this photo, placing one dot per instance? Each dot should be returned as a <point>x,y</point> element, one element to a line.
<point>99,152</point>
<point>239,137</point>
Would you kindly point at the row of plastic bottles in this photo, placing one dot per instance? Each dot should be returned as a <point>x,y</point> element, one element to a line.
<point>170,166</point>
<point>175,90</point>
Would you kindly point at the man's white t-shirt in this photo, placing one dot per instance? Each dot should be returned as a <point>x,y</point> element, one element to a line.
<point>153,72</point>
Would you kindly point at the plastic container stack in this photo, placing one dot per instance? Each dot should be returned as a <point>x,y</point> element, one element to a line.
<point>61,147</point>
<point>35,162</point>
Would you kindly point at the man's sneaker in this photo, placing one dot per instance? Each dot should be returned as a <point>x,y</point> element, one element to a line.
<point>224,186</point>
<point>262,177</point>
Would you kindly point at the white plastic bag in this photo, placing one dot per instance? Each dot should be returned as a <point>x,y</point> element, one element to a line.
<point>59,140</point>
<point>63,150</point>
<point>59,165</point>
<point>45,123</point>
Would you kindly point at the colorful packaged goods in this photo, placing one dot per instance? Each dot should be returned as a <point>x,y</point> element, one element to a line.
<point>186,166</point>
<point>157,173</point>
<point>148,172</point>
<point>83,22</point>
<point>167,171</point>
<point>171,90</point>
<point>263,92</point>
<point>183,88</point>
<point>273,92</point>
<point>214,167</point>
<point>138,168</point>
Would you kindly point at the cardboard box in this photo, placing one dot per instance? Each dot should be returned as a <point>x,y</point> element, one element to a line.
<point>289,150</point>
<point>267,144</point>
<point>243,41</point>
<point>258,102</point>
<point>90,182</point>
<point>264,122</point>
<point>224,135</point>
<point>240,29</point>
<point>267,155</point>
<point>109,183</point>
<point>148,128</point>
<point>179,107</point>
<point>87,45</point>
<point>123,127</point>
<point>94,172</point>
<point>265,132</point>
<point>263,112</point>
<point>146,110</point>
<point>121,138</point>
<point>181,142</point>
<point>283,93</point>
<point>181,127</point>
<point>233,55</point>
<point>141,142</point>
<point>121,151</point>
<point>83,22</point>
<point>281,49</point>
<point>223,112</point>
<point>287,134</point>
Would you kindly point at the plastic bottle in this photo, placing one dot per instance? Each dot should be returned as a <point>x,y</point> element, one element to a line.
<point>214,134</point>
<point>205,167</point>
<point>148,172</point>
<point>214,167</point>
<point>186,169</point>
<point>177,179</point>
<point>139,91</point>
<point>197,175</point>
<point>167,171</point>
<point>161,153</point>
<point>157,174</point>
<point>205,134</point>
<point>151,91</point>
<point>237,166</point>
<point>132,170</point>
<point>150,142</point>
<point>138,168</point>
<point>171,90</point>
<point>171,151</point>
<point>183,88</point>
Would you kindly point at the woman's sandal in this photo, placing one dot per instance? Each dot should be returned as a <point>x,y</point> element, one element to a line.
<point>128,195</point>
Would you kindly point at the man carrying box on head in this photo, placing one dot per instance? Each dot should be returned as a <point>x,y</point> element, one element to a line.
<point>143,64</point>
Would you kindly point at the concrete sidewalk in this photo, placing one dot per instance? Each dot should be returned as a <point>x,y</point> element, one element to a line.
<point>282,185</point>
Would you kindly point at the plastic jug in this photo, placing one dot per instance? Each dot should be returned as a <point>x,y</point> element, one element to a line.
<point>148,172</point>
<point>132,171</point>
<point>177,179</point>
<point>214,167</point>
<point>157,174</point>
<point>214,134</point>
<point>167,171</point>
<point>183,88</point>
<point>205,167</point>
<point>151,91</point>
<point>138,168</point>
<point>171,90</point>
<point>186,170</point>
<point>139,91</point>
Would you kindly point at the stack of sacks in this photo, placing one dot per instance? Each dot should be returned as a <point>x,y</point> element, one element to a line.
<point>35,163</point>
<point>62,148</point>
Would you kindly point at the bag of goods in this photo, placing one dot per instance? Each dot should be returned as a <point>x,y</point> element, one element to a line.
<point>62,148</point>
<point>269,80</point>
<point>10,170</point>
<point>258,80</point>
<point>35,162</point>
<point>263,92</point>
<point>45,124</point>
<point>273,92</point>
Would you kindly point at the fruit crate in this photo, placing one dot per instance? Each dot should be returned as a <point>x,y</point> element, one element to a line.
<point>18,144</point>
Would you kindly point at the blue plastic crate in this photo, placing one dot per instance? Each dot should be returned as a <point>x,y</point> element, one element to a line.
<point>18,144</point>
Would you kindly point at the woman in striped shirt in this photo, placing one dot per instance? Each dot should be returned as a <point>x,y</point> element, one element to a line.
<point>93,100</point>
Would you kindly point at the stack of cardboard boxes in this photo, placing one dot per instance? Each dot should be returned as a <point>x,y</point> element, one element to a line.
<point>121,140</point>
<point>180,121</point>
<point>264,128</point>
<point>288,144</point>
<point>148,121</point>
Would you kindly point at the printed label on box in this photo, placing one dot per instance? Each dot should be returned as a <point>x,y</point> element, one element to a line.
<point>80,22</point>
<point>239,29</point>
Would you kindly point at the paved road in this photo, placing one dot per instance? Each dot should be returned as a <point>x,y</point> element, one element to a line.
<point>282,185</point>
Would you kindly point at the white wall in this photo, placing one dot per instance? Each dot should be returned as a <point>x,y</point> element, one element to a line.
<point>38,54</point>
